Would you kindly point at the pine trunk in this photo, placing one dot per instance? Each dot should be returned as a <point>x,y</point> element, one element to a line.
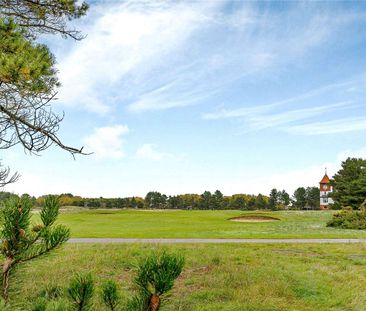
<point>154,303</point>
<point>8,264</point>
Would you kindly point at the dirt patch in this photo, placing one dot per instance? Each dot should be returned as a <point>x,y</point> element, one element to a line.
<point>358,257</point>
<point>254,218</point>
<point>289,252</point>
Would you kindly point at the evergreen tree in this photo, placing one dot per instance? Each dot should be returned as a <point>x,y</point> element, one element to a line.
<point>21,241</point>
<point>312,195</point>
<point>283,199</point>
<point>155,277</point>
<point>350,184</point>
<point>273,199</point>
<point>299,198</point>
<point>205,200</point>
<point>110,295</point>
<point>81,291</point>
<point>217,200</point>
<point>28,79</point>
<point>37,17</point>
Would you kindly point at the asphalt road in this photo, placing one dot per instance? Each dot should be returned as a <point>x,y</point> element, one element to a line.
<point>209,241</point>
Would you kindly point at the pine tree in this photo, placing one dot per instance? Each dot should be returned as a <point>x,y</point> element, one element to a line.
<point>22,241</point>
<point>299,198</point>
<point>110,295</point>
<point>273,199</point>
<point>350,184</point>
<point>28,79</point>
<point>81,291</point>
<point>155,276</point>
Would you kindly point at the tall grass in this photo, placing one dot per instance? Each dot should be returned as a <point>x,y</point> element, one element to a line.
<point>217,277</point>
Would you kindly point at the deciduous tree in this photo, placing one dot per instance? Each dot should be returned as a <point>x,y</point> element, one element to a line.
<point>155,199</point>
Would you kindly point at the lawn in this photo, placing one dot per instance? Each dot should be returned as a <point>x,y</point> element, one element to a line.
<point>217,277</point>
<point>199,224</point>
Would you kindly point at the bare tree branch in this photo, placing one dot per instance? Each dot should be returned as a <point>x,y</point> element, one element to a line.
<point>44,16</point>
<point>6,178</point>
<point>29,121</point>
<point>28,75</point>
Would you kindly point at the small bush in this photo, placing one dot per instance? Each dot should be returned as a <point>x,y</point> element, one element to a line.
<point>155,277</point>
<point>349,219</point>
<point>110,295</point>
<point>81,291</point>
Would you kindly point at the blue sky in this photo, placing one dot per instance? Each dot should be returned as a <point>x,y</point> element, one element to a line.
<point>182,97</point>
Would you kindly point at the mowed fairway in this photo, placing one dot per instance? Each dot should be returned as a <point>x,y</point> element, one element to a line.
<point>217,277</point>
<point>199,224</point>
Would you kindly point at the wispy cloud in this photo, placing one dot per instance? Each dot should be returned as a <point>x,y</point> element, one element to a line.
<point>290,116</point>
<point>126,52</point>
<point>330,127</point>
<point>260,109</point>
<point>160,55</point>
<point>106,142</point>
<point>149,152</point>
<point>304,109</point>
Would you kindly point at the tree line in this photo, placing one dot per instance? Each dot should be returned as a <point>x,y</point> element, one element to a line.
<point>302,198</point>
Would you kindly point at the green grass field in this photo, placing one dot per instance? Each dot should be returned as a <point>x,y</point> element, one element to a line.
<point>199,224</point>
<point>218,277</point>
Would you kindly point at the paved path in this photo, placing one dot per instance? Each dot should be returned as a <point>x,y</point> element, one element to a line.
<point>209,241</point>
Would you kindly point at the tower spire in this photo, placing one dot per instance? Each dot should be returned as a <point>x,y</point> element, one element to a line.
<point>326,173</point>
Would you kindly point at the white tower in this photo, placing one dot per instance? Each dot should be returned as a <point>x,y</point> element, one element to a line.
<point>325,189</point>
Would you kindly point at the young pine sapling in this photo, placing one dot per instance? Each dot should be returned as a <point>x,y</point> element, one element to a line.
<point>155,277</point>
<point>110,295</point>
<point>21,241</point>
<point>81,291</point>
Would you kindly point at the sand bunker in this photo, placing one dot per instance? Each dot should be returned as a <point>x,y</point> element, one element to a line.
<point>254,218</point>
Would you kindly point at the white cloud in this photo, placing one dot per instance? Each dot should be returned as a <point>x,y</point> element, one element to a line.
<point>149,152</point>
<point>288,180</point>
<point>317,118</point>
<point>361,153</point>
<point>160,55</point>
<point>126,45</point>
<point>106,142</point>
<point>330,127</point>
<point>264,108</point>
<point>32,184</point>
<point>283,118</point>
<point>170,181</point>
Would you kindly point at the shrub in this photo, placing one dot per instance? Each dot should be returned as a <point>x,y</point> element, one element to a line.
<point>155,277</point>
<point>20,241</point>
<point>349,219</point>
<point>81,291</point>
<point>110,295</point>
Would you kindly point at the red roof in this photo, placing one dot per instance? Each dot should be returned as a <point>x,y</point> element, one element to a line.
<point>325,179</point>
